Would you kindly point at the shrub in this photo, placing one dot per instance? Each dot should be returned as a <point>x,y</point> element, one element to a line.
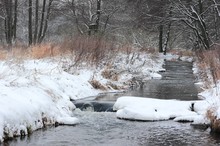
<point>209,63</point>
<point>97,85</point>
<point>214,121</point>
<point>89,49</point>
<point>110,74</point>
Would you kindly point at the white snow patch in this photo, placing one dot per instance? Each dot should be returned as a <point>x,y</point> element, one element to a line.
<point>155,76</point>
<point>201,119</point>
<point>148,109</point>
<point>67,121</point>
<point>186,58</point>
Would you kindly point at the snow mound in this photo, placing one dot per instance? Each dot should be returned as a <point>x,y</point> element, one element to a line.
<point>36,93</point>
<point>155,76</point>
<point>67,121</point>
<point>148,109</point>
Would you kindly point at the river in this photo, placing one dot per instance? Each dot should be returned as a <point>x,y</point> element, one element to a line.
<point>103,128</point>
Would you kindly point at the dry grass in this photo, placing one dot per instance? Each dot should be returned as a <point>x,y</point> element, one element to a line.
<point>17,51</point>
<point>215,122</point>
<point>45,50</point>
<point>97,85</point>
<point>33,52</point>
<point>110,74</point>
<point>3,54</point>
<point>114,86</point>
<point>126,49</point>
<point>181,52</point>
<point>150,50</point>
<point>90,49</point>
<point>209,63</point>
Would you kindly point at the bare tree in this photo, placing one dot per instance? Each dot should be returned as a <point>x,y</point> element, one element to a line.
<point>45,26</point>
<point>198,17</point>
<point>38,34</point>
<point>36,21</point>
<point>30,39</point>
<point>154,13</point>
<point>15,19</point>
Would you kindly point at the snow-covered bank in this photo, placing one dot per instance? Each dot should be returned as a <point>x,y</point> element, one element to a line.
<point>148,109</point>
<point>35,93</point>
<point>206,69</point>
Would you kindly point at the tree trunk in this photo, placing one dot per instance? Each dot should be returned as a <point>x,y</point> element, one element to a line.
<point>15,20</point>
<point>36,21</point>
<point>167,38</point>
<point>8,21</point>
<point>46,21</point>
<point>202,26</point>
<point>161,38</point>
<point>30,22</point>
<point>168,32</point>
<point>73,8</point>
<point>98,13</point>
<point>42,20</point>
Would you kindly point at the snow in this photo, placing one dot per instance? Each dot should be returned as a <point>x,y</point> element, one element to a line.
<point>35,93</point>
<point>67,121</point>
<point>155,76</point>
<point>208,91</point>
<point>148,109</point>
<point>186,58</point>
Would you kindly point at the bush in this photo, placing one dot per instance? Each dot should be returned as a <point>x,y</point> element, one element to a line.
<point>91,49</point>
<point>209,63</point>
<point>97,85</point>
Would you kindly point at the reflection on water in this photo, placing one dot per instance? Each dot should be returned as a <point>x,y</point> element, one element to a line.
<point>103,129</point>
<point>177,83</point>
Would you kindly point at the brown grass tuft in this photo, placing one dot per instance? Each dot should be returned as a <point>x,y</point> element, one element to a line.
<point>97,85</point>
<point>114,86</point>
<point>150,50</point>
<point>209,63</point>
<point>215,122</point>
<point>181,52</point>
<point>3,54</point>
<point>90,49</point>
<point>33,52</point>
<point>110,74</point>
<point>44,50</point>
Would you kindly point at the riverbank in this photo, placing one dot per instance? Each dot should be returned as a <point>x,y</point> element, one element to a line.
<point>207,69</point>
<point>174,97</point>
<point>37,92</point>
<point>204,112</point>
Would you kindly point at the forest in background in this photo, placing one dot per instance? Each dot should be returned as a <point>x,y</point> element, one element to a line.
<point>187,24</point>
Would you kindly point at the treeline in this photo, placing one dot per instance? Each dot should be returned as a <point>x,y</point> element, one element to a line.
<point>193,24</point>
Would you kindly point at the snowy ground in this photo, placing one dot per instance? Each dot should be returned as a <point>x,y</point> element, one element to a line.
<point>148,109</point>
<point>35,93</point>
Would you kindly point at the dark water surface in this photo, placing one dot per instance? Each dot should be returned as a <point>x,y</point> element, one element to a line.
<point>104,129</point>
<point>177,83</point>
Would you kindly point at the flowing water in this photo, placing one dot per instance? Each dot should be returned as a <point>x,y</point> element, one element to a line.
<point>103,128</point>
